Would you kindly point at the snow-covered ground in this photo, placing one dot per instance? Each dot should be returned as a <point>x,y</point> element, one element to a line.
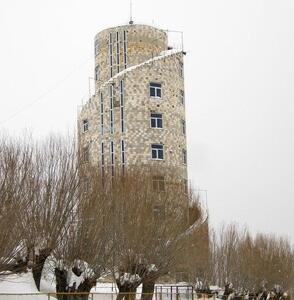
<point>19,284</point>
<point>15,287</point>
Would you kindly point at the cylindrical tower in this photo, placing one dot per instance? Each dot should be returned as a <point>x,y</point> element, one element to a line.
<point>137,115</point>
<point>119,48</point>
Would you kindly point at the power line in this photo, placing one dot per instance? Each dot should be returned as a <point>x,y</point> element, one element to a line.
<point>48,91</point>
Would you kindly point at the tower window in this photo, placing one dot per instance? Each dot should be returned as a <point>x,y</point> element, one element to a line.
<point>156,120</point>
<point>125,48</point>
<point>185,186</point>
<point>122,119</point>
<point>102,113</point>
<point>97,73</point>
<point>158,183</point>
<point>183,127</point>
<point>86,154</point>
<point>112,152</point>
<point>155,90</point>
<point>102,154</point>
<point>182,97</point>
<point>112,157</point>
<point>110,54</point>
<point>85,125</point>
<point>123,157</point>
<point>184,153</point>
<point>117,52</point>
<point>157,151</point>
<point>102,158</point>
<point>181,69</point>
<point>96,47</point>
<point>111,109</point>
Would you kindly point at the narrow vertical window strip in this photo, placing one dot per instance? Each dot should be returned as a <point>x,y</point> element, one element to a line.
<point>97,73</point>
<point>184,127</point>
<point>96,47</point>
<point>125,49</point>
<point>110,54</point>
<point>123,156</point>
<point>181,67</point>
<point>117,52</point>
<point>184,153</point>
<point>122,106</point>
<point>102,158</point>
<point>111,109</point>
<point>182,96</point>
<point>122,119</point>
<point>111,153</point>
<point>102,113</point>
<point>112,157</point>
<point>102,154</point>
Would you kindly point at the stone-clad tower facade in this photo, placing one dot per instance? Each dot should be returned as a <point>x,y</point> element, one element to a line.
<point>137,115</point>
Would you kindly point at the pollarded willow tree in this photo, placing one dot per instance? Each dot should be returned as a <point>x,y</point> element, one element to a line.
<point>85,252</point>
<point>150,224</point>
<point>53,195</point>
<point>38,194</point>
<point>15,173</point>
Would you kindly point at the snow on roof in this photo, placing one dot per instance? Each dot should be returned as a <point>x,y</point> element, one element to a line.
<point>162,55</point>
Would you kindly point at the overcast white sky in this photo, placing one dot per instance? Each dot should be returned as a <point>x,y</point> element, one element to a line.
<point>239,74</point>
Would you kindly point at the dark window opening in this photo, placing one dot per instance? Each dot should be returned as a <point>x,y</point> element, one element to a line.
<point>155,90</point>
<point>85,125</point>
<point>156,120</point>
<point>158,183</point>
<point>157,151</point>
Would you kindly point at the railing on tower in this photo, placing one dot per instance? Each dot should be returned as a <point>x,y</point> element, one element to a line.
<point>175,39</point>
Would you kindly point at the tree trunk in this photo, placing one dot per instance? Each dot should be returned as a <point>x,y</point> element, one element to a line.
<point>126,293</point>
<point>120,296</point>
<point>121,292</point>
<point>61,283</point>
<point>82,291</point>
<point>130,293</point>
<point>148,290</point>
<point>85,287</point>
<point>39,265</point>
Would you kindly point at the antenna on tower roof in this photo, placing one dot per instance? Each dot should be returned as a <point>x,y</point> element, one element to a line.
<point>131,12</point>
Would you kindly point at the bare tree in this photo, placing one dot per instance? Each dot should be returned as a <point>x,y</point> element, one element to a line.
<point>53,197</point>
<point>15,172</point>
<point>85,252</point>
<point>194,259</point>
<point>38,193</point>
<point>150,225</point>
<point>253,264</point>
